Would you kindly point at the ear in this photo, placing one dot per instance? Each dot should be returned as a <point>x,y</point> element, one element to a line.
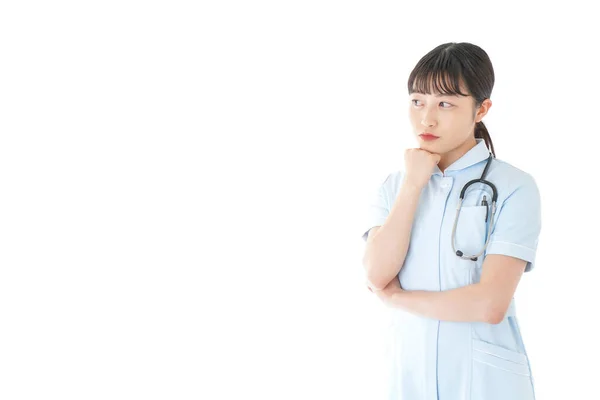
<point>483,110</point>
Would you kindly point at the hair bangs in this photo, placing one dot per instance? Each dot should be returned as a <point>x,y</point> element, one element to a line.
<point>439,74</point>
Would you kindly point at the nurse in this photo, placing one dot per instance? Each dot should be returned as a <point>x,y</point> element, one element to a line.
<point>454,330</point>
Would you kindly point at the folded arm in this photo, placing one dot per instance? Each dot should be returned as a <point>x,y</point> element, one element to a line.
<point>485,301</point>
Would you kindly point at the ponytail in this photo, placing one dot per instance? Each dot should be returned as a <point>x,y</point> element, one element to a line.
<point>481,132</point>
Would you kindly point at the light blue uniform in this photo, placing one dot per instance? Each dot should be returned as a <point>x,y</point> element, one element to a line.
<point>445,360</point>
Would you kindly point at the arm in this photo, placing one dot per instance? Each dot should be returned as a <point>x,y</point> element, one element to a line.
<point>510,253</point>
<point>486,301</point>
<point>387,245</point>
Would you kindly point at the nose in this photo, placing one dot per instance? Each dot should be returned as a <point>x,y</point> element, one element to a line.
<point>428,119</point>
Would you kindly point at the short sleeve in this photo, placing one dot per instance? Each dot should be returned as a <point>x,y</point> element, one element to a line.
<point>377,210</point>
<point>518,224</point>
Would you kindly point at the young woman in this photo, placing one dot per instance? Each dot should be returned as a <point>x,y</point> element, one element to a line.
<point>448,238</point>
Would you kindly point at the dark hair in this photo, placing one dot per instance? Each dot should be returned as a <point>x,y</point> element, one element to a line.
<point>446,66</point>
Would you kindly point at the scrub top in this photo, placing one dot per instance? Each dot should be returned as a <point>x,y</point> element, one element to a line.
<point>445,360</point>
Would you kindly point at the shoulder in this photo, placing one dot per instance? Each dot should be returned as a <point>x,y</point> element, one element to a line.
<point>510,175</point>
<point>392,181</point>
<point>513,180</point>
<point>389,186</point>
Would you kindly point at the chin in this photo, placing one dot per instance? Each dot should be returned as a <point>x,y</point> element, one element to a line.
<point>430,147</point>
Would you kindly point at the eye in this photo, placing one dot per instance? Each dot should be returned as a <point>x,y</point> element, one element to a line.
<point>448,105</point>
<point>416,102</point>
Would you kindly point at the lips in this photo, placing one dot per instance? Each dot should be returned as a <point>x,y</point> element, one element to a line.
<point>428,136</point>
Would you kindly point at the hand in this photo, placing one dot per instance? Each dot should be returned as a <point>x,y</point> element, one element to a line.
<point>419,165</point>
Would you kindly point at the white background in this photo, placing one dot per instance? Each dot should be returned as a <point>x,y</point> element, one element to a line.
<point>182,190</point>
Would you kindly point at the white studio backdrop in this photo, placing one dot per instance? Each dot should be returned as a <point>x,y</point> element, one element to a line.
<point>183,187</point>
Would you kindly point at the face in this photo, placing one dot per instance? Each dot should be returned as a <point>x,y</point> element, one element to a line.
<point>451,118</point>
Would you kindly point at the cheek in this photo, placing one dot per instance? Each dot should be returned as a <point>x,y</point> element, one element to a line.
<point>464,123</point>
<point>413,115</point>
<point>456,120</point>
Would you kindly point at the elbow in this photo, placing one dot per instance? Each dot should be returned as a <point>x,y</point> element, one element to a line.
<point>377,285</point>
<point>492,307</point>
<point>375,279</point>
<point>378,272</point>
<point>494,314</point>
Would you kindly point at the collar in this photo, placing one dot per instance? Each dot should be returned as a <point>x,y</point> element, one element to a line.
<point>478,153</point>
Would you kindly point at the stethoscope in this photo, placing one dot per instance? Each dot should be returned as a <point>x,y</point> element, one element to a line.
<point>484,202</point>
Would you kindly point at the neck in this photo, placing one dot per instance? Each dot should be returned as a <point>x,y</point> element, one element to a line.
<point>447,159</point>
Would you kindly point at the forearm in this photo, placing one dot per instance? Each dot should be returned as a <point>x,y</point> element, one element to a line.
<point>466,304</point>
<point>386,250</point>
